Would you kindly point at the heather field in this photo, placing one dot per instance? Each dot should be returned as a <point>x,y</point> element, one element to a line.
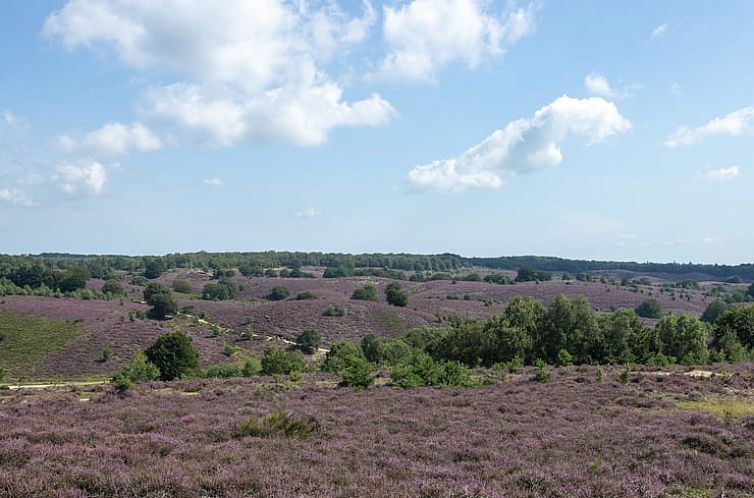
<point>661,434</point>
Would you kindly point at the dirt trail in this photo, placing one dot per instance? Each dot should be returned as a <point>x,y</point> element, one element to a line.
<point>58,384</point>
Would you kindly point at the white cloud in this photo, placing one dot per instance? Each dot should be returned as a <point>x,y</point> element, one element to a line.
<point>10,120</point>
<point>426,35</point>
<point>112,139</point>
<point>524,145</point>
<point>81,178</point>
<point>734,124</point>
<point>597,84</point>
<point>720,175</point>
<point>309,212</point>
<point>249,71</point>
<point>676,90</point>
<point>213,182</point>
<point>659,31</point>
<point>15,196</point>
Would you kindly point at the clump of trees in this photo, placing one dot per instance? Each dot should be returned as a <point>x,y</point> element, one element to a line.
<point>395,295</point>
<point>277,361</point>
<point>368,292</point>
<point>527,274</point>
<point>308,341</point>
<point>650,308</point>
<point>225,289</point>
<point>113,287</point>
<point>278,293</point>
<point>160,298</point>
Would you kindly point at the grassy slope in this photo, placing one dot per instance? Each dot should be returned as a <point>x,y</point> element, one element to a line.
<point>27,340</point>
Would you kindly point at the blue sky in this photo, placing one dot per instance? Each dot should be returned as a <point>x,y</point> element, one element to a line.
<point>577,129</point>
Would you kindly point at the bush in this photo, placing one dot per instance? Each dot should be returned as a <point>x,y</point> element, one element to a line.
<point>276,361</point>
<point>305,296</point>
<point>252,367</point>
<point>337,359</point>
<point>139,369</point>
<point>308,341</point>
<point>183,286</point>
<point>564,358</point>
<point>278,293</point>
<point>113,287</point>
<point>280,423</point>
<point>395,295</point>
<point>161,300</point>
<point>335,310</point>
<point>223,371</point>
<point>221,291</point>
<point>422,370</point>
<point>174,355</point>
<point>366,293</point>
<point>357,373</point>
<point>650,308</point>
<point>542,374</point>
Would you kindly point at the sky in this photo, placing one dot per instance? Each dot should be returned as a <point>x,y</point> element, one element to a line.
<point>585,129</point>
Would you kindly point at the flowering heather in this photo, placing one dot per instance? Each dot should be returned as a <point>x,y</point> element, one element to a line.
<point>569,437</point>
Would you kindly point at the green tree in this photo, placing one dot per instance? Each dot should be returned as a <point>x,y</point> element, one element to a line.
<point>276,361</point>
<point>620,332</point>
<point>338,358</point>
<point>651,308</point>
<point>183,286</point>
<point>684,337</point>
<point>278,293</point>
<point>161,300</point>
<point>366,293</point>
<point>139,369</point>
<point>221,291</point>
<point>174,354</point>
<point>395,296</point>
<point>713,311</point>
<point>736,322</point>
<point>113,287</point>
<point>357,373</point>
<point>372,347</point>
<point>73,279</point>
<point>308,341</point>
<point>153,267</point>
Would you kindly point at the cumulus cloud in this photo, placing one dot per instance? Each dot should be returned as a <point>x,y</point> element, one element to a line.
<point>524,145</point>
<point>11,121</point>
<point>659,31</point>
<point>112,139</point>
<point>15,196</point>
<point>734,124</point>
<point>309,212</point>
<point>425,35</point>
<point>252,70</point>
<point>213,182</point>
<point>597,84</point>
<point>81,178</point>
<point>720,175</point>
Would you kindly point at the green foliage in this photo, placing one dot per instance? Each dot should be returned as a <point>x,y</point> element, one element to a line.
<point>366,293</point>
<point>174,355</point>
<point>651,308</point>
<point>683,337</point>
<point>713,311</point>
<point>113,287</point>
<point>422,370</point>
<point>526,274</point>
<point>357,373</point>
<point>276,361</point>
<point>335,310</point>
<point>600,375</point>
<point>153,267</point>
<point>625,374</point>
<point>340,356</point>
<point>622,333</point>
<point>183,286</point>
<point>280,423</point>
<point>223,290</point>
<point>542,374</point>
<point>308,341</point>
<point>750,290</point>
<point>497,278</point>
<point>223,371</point>
<point>564,358</point>
<point>278,293</point>
<point>160,298</point>
<point>305,296</point>
<point>139,369</point>
<point>252,367</point>
<point>395,296</point>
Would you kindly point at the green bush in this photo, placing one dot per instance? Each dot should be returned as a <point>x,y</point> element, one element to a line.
<point>278,293</point>
<point>335,310</point>
<point>395,296</point>
<point>161,300</point>
<point>276,361</point>
<point>542,374</point>
<point>113,287</point>
<point>422,370</point>
<point>305,296</point>
<point>251,367</point>
<point>651,308</point>
<point>223,290</point>
<point>357,373</point>
<point>139,369</point>
<point>339,356</point>
<point>564,358</point>
<point>223,371</point>
<point>366,293</point>
<point>280,423</point>
<point>174,355</point>
<point>183,286</point>
<point>308,341</point>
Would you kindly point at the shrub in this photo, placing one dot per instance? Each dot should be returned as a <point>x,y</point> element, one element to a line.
<point>335,310</point>
<point>357,373</point>
<point>308,341</point>
<point>161,300</point>
<point>183,286</point>
<point>625,375</point>
<point>371,346</point>
<point>305,296</point>
<point>276,361</point>
<point>600,375</point>
<point>366,293</point>
<point>422,370</point>
<point>139,369</point>
<point>252,367</point>
<point>280,423</point>
<point>113,287</point>
<point>221,291</point>
<point>336,360</point>
<point>223,371</point>
<point>278,293</point>
<point>650,308</point>
<point>564,358</point>
<point>139,280</point>
<point>713,311</point>
<point>174,355</point>
<point>395,296</point>
<point>542,374</point>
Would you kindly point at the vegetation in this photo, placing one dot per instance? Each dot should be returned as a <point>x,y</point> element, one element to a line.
<point>308,341</point>
<point>278,293</point>
<point>139,369</point>
<point>335,310</point>
<point>276,361</point>
<point>366,293</point>
<point>224,289</point>
<point>182,286</point>
<point>651,308</point>
<point>305,296</point>
<point>279,423</point>
<point>160,298</point>
<point>113,287</point>
<point>395,296</point>
<point>174,356</point>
